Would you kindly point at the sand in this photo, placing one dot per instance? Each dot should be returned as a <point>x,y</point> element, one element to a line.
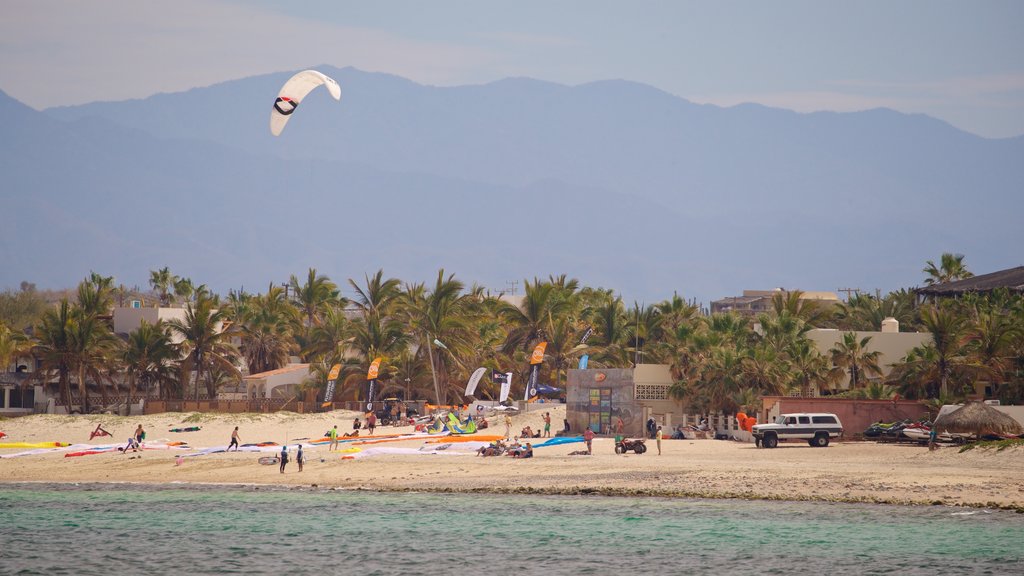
<point>845,471</point>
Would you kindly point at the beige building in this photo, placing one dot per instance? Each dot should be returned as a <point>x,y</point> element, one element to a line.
<point>754,302</point>
<point>127,319</point>
<point>893,344</point>
<point>596,399</point>
<point>280,383</point>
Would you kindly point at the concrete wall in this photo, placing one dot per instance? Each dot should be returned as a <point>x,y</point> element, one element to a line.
<point>893,345</point>
<point>856,415</point>
<point>127,320</point>
<point>597,398</point>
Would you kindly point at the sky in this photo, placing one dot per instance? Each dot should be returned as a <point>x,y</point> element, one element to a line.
<point>961,62</point>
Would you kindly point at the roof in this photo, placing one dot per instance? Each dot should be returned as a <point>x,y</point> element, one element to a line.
<point>285,370</point>
<point>1011,279</point>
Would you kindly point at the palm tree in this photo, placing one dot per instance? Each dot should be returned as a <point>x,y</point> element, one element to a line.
<point>314,296</point>
<point>148,358</point>
<point>379,296</point>
<point>612,335</point>
<point>851,354</point>
<point>990,341</point>
<point>812,312</point>
<point>951,267</point>
<point>163,282</point>
<point>94,346</point>
<point>205,341</point>
<point>526,322</point>
<point>811,369</point>
<point>266,331</point>
<point>948,337</point>
<point>55,347</point>
<point>13,345</point>
<point>443,313</point>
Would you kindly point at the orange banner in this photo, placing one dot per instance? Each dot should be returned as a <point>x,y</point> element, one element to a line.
<point>538,353</point>
<point>335,371</point>
<point>374,367</point>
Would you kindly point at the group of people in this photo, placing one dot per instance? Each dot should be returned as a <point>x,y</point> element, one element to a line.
<point>300,458</point>
<point>515,449</point>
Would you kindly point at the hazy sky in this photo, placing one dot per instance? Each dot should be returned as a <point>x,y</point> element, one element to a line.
<point>962,62</point>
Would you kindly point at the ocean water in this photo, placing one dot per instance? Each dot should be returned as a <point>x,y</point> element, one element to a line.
<point>184,529</point>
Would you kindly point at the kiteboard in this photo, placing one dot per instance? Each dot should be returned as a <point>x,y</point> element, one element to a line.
<point>269,460</point>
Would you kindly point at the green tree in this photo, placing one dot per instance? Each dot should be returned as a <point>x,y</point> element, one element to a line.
<point>148,358</point>
<point>851,354</point>
<point>205,341</point>
<point>951,267</point>
<point>163,283</point>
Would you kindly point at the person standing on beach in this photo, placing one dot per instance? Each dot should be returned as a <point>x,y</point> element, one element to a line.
<point>508,425</point>
<point>547,424</point>
<point>333,435</point>
<point>371,422</point>
<point>284,457</point>
<point>234,440</point>
<point>619,425</point>
<point>299,458</point>
<point>140,434</point>
<point>588,437</point>
<point>658,438</point>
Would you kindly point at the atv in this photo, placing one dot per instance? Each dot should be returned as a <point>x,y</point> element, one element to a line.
<point>625,445</point>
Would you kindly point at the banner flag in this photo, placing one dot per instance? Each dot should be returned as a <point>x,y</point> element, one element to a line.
<point>538,353</point>
<point>474,380</point>
<point>369,396</point>
<point>586,335</point>
<point>531,384</point>
<point>583,361</point>
<point>371,374</point>
<point>332,380</point>
<point>506,386</point>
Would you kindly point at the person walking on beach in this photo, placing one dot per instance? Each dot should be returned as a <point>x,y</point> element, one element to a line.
<point>284,457</point>
<point>547,424</point>
<point>508,425</point>
<point>588,437</point>
<point>333,435</point>
<point>657,436</point>
<point>299,459</point>
<point>140,434</point>
<point>619,425</point>
<point>933,436</point>
<point>234,440</point>
<point>371,422</point>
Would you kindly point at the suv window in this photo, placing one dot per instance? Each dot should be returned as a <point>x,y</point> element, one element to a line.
<point>824,420</point>
<point>805,420</point>
<point>791,420</point>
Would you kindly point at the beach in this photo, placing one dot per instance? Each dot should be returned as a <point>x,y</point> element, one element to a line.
<point>846,471</point>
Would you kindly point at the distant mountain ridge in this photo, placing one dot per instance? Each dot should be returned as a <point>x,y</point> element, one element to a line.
<point>614,182</point>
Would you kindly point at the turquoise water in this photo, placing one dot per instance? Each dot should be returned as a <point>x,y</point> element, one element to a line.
<point>129,529</point>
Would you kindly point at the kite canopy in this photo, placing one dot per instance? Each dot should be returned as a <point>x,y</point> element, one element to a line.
<point>293,91</point>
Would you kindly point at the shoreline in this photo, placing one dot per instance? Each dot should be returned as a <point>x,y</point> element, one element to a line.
<point>581,491</point>
<point>848,472</point>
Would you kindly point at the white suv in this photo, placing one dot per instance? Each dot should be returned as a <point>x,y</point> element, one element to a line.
<point>816,429</point>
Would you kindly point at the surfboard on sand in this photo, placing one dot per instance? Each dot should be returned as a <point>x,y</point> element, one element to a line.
<point>269,460</point>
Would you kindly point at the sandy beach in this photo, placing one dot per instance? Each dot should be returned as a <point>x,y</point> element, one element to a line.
<point>845,471</point>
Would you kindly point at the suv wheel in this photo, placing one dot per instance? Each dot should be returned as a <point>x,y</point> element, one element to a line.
<point>820,440</point>
<point>770,441</point>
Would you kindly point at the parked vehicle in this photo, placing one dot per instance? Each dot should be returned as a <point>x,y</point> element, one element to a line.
<point>816,429</point>
<point>625,445</point>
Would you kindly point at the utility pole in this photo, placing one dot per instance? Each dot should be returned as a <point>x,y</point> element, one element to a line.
<point>849,291</point>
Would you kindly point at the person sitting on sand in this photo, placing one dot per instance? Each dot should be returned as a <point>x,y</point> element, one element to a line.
<point>352,434</point>
<point>526,432</point>
<point>132,444</point>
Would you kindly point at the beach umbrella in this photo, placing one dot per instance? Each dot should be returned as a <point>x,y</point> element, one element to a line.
<point>980,419</point>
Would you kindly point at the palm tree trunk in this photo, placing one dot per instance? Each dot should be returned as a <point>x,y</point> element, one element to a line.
<point>83,392</point>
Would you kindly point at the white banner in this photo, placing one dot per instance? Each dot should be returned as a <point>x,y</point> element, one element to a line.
<point>506,387</point>
<point>474,380</point>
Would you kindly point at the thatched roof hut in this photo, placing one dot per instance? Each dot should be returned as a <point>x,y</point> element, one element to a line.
<point>979,419</point>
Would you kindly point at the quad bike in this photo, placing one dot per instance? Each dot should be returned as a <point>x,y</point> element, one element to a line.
<point>625,445</point>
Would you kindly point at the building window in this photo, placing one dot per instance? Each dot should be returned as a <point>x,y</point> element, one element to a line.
<point>650,392</point>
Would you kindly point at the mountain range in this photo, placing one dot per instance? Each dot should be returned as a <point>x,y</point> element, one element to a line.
<point>615,183</point>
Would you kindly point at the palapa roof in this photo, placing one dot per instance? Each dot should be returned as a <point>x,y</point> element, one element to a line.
<point>980,419</point>
<point>1012,279</point>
